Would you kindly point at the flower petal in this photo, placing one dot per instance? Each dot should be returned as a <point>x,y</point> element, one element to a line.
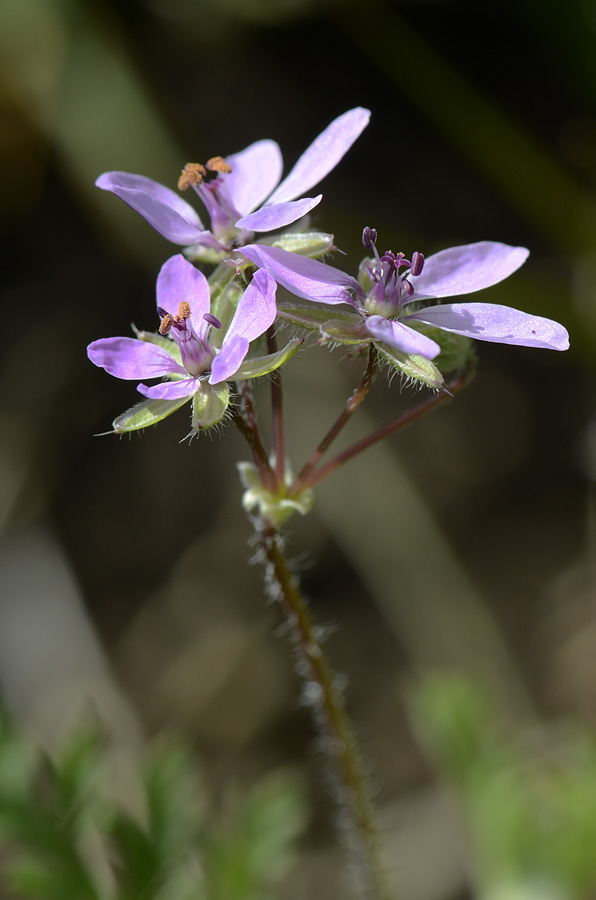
<point>322,156</point>
<point>462,270</point>
<point>170,390</point>
<point>279,215</point>
<point>255,172</point>
<point>401,337</point>
<point>303,276</point>
<point>228,360</point>
<point>130,358</point>
<point>256,308</point>
<point>179,281</point>
<point>165,211</point>
<point>492,322</point>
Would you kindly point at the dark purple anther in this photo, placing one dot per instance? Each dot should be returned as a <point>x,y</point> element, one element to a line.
<point>417,263</point>
<point>408,287</point>
<point>213,320</point>
<point>369,237</point>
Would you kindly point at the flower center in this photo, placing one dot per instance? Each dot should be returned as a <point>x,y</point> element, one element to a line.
<point>390,288</point>
<point>168,321</point>
<point>196,351</point>
<point>210,184</point>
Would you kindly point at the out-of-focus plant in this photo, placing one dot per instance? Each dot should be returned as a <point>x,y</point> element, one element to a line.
<point>66,834</point>
<point>528,801</point>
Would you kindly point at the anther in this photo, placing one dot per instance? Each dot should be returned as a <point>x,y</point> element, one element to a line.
<point>408,287</point>
<point>369,237</point>
<point>184,311</point>
<point>417,263</point>
<point>192,173</point>
<point>166,323</point>
<point>213,320</point>
<point>218,164</point>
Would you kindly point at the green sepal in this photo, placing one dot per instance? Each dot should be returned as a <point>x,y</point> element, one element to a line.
<point>166,343</point>
<point>199,253</point>
<point>262,365</point>
<point>340,331</point>
<point>412,366</point>
<point>318,317</point>
<point>364,279</point>
<point>209,404</point>
<point>224,305</point>
<point>146,413</point>
<point>311,243</point>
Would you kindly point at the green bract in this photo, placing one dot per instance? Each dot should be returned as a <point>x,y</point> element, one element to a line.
<point>277,508</point>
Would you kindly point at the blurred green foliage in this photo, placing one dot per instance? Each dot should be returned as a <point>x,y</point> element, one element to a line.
<point>66,835</point>
<point>528,801</point>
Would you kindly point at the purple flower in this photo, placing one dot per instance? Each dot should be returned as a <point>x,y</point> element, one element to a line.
<point>242,193</point>
<point>388,303</point>
<point>189,351</point>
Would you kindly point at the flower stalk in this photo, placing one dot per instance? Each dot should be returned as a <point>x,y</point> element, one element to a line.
<point>454,386</point>
<point>303,479</point>
<point>323,693</point>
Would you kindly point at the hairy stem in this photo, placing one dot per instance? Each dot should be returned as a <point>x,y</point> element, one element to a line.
<point>324,695</point>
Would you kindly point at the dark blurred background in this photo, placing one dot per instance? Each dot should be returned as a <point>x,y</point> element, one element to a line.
<point>465,543</point>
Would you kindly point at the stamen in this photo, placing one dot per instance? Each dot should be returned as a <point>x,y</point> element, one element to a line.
<point>213,320</point>
<point>369,237</point>
<point>192,173</point>
<point>184,311</point>
<point>417,263</point>
<point>166,323</point>
<point>218,164</point>
<point>408,287</point>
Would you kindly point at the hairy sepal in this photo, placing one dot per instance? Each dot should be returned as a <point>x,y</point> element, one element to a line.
<point>412,366</point>
<point>209,405</point>
<point>312,243</point>
<point>146,413</point>
<point>262,365</point>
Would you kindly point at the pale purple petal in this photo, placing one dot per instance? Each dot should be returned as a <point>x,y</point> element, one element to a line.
<point>170,390</point>
<point>255,172</point>
<point>279,215</point>
<point>462,270</point>
<point>322,156</point>
<point>131,358</point>
<point>401,337</point>
<point>256,309</point>
<point>168,213</point>
<point>179,281</point>
<point>303,276</point>
<point>228,360</point>
<point>492,322</point>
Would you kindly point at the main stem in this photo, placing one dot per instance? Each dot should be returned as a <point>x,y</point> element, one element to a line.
<point>325,696</point>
